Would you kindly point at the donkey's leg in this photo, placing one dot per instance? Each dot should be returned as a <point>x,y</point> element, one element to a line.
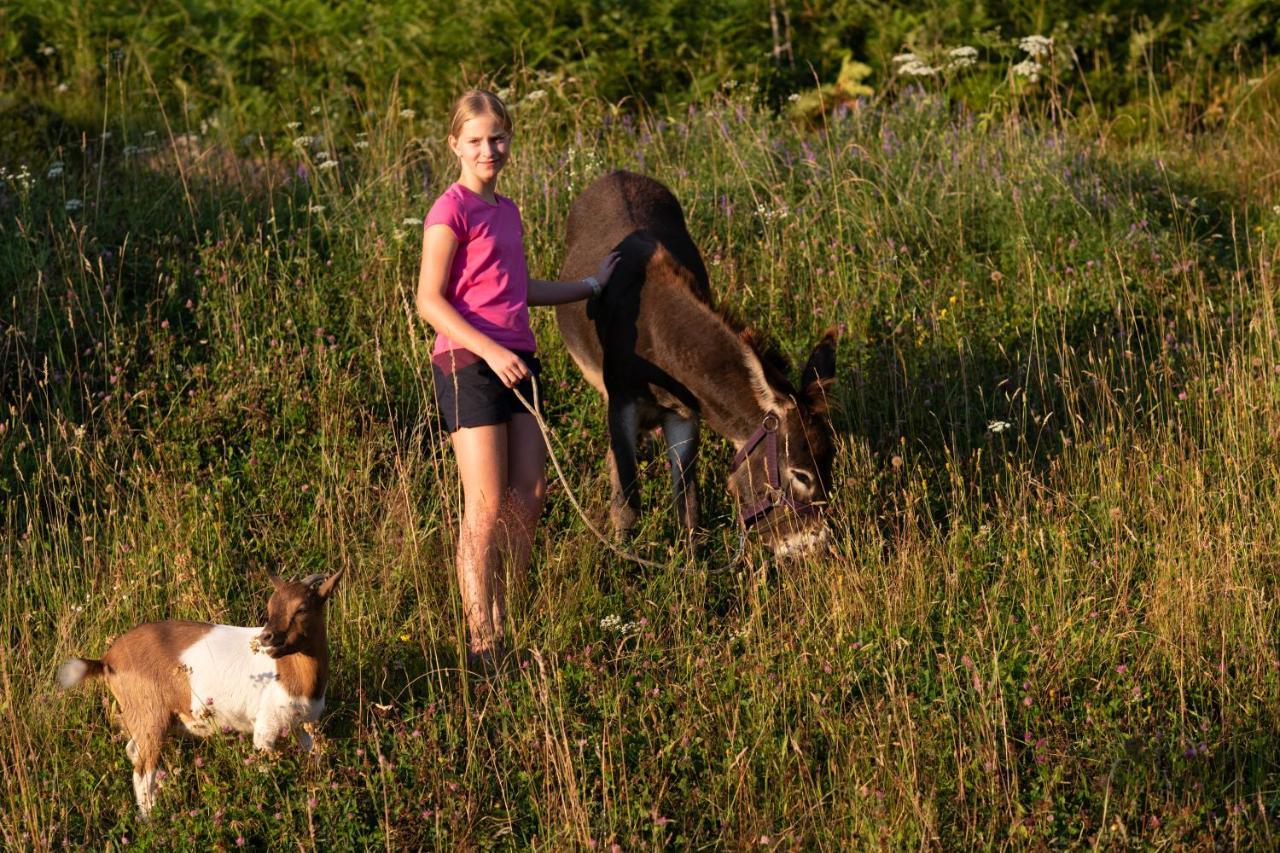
<point>682,456</point>
<point>623,430</point>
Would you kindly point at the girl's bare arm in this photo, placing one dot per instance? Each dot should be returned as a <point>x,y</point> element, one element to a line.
<point>438,246</point>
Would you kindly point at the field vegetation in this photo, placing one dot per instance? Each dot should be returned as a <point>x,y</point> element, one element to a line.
<point>1048,617</point>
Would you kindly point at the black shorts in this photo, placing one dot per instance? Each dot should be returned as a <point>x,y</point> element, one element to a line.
<point>470,394</point>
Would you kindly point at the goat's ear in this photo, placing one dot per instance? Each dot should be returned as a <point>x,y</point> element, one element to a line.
<point>330,583</point>
<point>820,371</point>
<point>276,581</point>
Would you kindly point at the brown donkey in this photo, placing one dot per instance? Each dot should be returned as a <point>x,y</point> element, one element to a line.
<point>663,357</point>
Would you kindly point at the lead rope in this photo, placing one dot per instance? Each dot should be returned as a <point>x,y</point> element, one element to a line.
<point>546,438</point>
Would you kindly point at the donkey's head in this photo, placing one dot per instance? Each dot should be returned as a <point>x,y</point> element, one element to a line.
<point>781,475</point>
<point>295,615</point>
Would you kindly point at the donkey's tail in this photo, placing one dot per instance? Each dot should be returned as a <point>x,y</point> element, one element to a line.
<point>77,670</point>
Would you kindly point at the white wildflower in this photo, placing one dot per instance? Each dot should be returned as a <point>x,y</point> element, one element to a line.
<point>1037,46</point>
<point>315,111</point>
<point>73,204</point>
<point>611,622</point>
<point>322,156</point>
<point>328,164</point>
<point>1276,209</point>
<point>535,95</point>
<point>55,169</point>
<point>63,87</point>
<point>1028,68</point>
<point>302,142</point>
<point>411,221</point>
<point>962,57</point>
<point>316,208</point>
<point>998,426</point>
<point>362,143</point>
<point>294,125</point>
<point>48,49</point>
<point>131,150</point>
<point>793,97</point>
<point>904,58</point>
<point>917,69</point>
<point>407,113</point>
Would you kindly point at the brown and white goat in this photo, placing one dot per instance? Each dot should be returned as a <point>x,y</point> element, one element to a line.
<point>202,678</point>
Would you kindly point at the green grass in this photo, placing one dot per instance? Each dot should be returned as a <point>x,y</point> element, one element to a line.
<point>1048,617</point>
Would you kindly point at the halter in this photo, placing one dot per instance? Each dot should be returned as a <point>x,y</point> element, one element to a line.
<point>767,432</point>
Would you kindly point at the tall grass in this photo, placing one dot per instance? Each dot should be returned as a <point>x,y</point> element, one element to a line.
<point>1048,616</point>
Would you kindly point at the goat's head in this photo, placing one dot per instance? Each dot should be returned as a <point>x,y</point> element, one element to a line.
<point>780,477</point>
<point>295,614</point>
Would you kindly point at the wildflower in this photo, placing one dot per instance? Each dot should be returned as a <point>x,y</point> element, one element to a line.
<point>48,49</point>
<point>294,125</point>
<point>131,150</point>
<point>63,87</point>
<point>1122,668</point>
<point>793,97</point>
<point>962,57</point>
<point>1036,46</point>
<point>55,169</point>
<point>998,426</point>
<point>315,111</point>
<point>73,204</point>
<point>362,143</point>
<point>411,221</point>
<point>611,622</point>
<point>328,164</point>
<point>407,113</point>
<point>302,142</point>
<point>904,58</point>
<point>1028,68</point>
<point>535,95</point>
<point>316,208</point>
<point>916,68</point>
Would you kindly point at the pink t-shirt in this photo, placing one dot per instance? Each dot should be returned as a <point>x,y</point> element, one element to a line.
<point>489,279</point>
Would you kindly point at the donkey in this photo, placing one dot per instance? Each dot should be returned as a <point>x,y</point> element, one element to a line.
<point>652,344</point>
<point>203,677</point>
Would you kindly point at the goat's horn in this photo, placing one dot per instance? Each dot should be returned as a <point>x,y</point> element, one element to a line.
<point>312,580</point>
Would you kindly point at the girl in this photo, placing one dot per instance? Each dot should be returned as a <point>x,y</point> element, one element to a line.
<point>475,291</point>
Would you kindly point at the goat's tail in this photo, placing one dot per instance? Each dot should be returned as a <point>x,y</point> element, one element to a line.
<point>77,670</point>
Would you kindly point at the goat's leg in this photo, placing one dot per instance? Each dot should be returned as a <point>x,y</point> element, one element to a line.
<point>682,455</point>
<point>147,732</point>
<point>624,508</point>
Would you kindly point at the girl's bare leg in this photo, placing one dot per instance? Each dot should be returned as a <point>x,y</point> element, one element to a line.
<point>526,493</point>
<point>482,464</point>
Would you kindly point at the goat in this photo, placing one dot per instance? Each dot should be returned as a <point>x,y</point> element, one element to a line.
<point>207,677</point>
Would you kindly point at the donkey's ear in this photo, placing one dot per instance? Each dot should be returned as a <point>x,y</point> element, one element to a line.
<point>820,371</point>
<point>330,583</point>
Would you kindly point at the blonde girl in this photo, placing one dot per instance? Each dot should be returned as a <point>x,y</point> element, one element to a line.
<point>474,290</point>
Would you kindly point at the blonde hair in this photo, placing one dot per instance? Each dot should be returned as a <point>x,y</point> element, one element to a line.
<point>478,102</point>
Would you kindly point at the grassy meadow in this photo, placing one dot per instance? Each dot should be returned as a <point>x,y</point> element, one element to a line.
<point>1048,617</point>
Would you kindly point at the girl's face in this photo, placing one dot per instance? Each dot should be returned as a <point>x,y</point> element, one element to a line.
<point>482,147</point>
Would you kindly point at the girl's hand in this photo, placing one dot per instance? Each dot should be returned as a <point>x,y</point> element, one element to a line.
<point>507,365</point>
<point>606,268</point>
